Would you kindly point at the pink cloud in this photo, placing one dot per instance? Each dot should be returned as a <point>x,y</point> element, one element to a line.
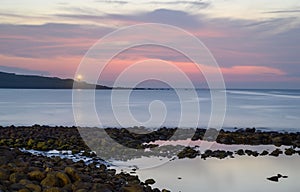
<point>252,70</point>
<point>194,71</point>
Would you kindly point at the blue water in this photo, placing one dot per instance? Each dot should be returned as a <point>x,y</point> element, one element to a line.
<point>270,109</point>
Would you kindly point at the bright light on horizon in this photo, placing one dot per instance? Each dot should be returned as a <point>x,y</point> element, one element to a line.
<point>79,77</point>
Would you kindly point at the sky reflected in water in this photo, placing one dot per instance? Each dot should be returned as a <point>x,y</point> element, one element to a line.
<point>245,174</point>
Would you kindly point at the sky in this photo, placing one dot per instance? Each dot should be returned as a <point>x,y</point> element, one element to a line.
<point>255,43</point>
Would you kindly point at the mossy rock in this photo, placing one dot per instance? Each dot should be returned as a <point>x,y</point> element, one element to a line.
<point>4,174</point>
<point>30,142</point>
<point>42,146</point>
<point>34,187</point>
<point>24,190</point>
<point>16,177</point>
<point>53,189</point>
<point>72,173</point>
<point>133,188</point>
<point>36,175</point>
<point>2,141</point>
<point>50,181</point>
<point>64,179</point>
<point>25,182</point>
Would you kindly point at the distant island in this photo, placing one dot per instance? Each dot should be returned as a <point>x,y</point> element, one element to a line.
<point>14,81</point>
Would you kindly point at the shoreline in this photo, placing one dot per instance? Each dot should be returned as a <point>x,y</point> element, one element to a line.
<point>42,173</point>
<point>24,172</point>
<point>77,139</point>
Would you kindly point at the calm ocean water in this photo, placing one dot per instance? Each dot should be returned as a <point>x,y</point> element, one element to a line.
<point>270,109</point>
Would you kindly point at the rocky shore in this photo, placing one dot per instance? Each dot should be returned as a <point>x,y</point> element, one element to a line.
<point>45,138</point>
<point>22,171</point>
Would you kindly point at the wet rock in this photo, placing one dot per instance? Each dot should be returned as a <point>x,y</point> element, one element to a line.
<point>81,190</point>
<point>276,153</point>
<point>71,172</point>
<point>264,153</point>
<point>255,153</point>
<point>133,188</point>
<point>276,178</point>
<point>220,154</point>
<point>248,152</point>
<point>16,177</point>
<point>34,187</point>
<point>250,130</point>
<point>156,190</point>
<point>240,152</point>
<point>81,185</point>
<point>149,182</point>
<point>24,190</point>
<point>101,188</point>
<point>51,180</point>
<point>36,175</point>
<point>25,182</point>
<point>53,189</point>
<point>6,155</point>
<point>287,140</point>
<point>289,151</point>
<point>16,187</point>
<point>273,178</point>
<point>277,141</point>
<point>188,152</point>
<point>24,173</point>
<point>4,174</point>
<point>64,179</point>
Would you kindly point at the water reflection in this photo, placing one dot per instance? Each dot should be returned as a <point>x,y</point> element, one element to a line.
<point>245,174</point>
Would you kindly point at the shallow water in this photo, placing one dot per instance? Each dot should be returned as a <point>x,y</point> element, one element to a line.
<point>242,173</point>
<point>245,174</point>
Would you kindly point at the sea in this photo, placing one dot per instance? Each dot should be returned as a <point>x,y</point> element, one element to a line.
<point>277,110</point>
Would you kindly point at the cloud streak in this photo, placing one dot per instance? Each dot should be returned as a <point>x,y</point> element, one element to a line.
<point>198,4</point>
<point>112,1</point>
<point>252,70</point>
<point>284,11</point>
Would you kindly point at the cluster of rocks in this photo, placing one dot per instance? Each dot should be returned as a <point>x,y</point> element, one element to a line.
<point>248,136</point>
<point>136,142</point>
<point>193,152</point>
<point>24,172</point>
<point>256,137</point>
<point>68,138</point>
<point>42,138</point>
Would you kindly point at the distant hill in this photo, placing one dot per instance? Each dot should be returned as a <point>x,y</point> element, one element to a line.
<point>14,81</point>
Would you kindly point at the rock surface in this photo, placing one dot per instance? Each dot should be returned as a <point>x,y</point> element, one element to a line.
<point>21,172</point>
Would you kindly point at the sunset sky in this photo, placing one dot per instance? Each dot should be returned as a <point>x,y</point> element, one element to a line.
<point>256,43</point>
